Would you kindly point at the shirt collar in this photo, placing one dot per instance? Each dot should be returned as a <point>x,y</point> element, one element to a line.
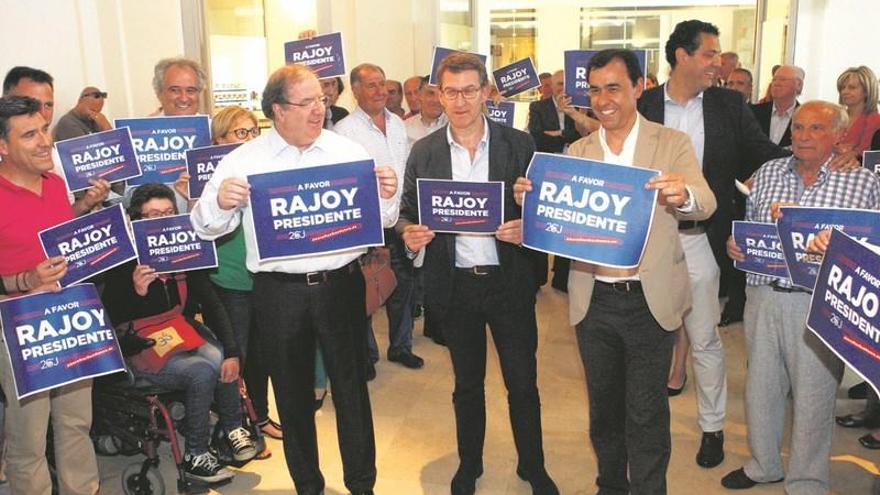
<point>788,112</point>
<point>365,117</point>
<point>483,140</point>
<point>628,143</point>
<point>667,98</point>
<point>823,170</point>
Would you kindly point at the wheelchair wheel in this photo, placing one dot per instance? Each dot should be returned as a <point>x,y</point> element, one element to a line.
<point>135,484</point>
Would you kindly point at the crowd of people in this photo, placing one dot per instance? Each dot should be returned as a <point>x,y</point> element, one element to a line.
<point>302,322</point>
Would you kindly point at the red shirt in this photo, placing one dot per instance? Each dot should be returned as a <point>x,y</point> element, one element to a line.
<point>23,214</point>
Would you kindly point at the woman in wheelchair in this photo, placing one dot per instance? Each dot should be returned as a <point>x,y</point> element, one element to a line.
<point>186,355</point>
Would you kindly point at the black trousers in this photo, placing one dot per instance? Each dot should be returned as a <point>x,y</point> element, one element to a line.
<point>626,356</point>
<point>291,317</point>
<point>478,300</point>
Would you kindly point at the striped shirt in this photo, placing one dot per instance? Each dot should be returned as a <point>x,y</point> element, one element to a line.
<point>778,181</point>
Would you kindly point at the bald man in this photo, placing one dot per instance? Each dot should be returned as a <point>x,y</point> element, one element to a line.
<point>85,118</point>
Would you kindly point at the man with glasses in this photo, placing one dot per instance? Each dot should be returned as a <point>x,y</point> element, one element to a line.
<point>375,127</point>
<point>85,118</point>
<point>472,280</point>
<point>303,301</point>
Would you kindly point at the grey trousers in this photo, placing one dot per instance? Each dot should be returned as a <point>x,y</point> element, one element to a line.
<point>785,357</point>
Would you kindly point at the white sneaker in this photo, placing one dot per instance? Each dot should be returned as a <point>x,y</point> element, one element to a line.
<point>241,444</point>
<point>204,467</point>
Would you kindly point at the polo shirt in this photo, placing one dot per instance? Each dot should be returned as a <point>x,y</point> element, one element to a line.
<point>23,215</point>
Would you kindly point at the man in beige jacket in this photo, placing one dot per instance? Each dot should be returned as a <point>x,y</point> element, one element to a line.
<point>624,318</point>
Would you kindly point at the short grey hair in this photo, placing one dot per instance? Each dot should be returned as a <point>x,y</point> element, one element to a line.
<point>355,76</point>
<point>163,65</point>
<point>839,116</point>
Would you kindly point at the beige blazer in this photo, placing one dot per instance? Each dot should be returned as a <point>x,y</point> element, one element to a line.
<point>663,270</point>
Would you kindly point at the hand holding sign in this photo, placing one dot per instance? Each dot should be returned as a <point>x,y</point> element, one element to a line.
<point>510,231</point>
<point>520,188</point>
<point>143,276</point>
<point>181,185</point>
<point>387,181</point>
<point>233,192</point>
<point>95,195</point>
<point>776,211</point>
<point>46,274</point>
<point>734,252</point>
<point>819,243</point>
<point>671,189</point>
<point>417,236</point>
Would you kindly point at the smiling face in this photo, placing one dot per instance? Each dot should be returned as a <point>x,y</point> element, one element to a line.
<point>370,91</point>
<point>429,102</point>
<point>786,85</point>
<point>613,96</point>
<point>40,91</point>
<point>701,68</point>
<point>300,126</point>
<point>28,146</point>
<point>463,113</point>
<point>180,91</point>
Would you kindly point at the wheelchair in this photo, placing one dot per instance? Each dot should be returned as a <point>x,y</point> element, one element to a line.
<point>132,416</point>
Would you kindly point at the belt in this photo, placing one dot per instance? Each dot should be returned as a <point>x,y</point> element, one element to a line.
<point>480,271</point>
<point>316,278</point>
<point>634,286</point>
<point>691,225</point>
<point>787,290</point>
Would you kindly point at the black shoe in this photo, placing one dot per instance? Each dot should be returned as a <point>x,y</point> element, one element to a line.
<point>738,480</point>
<point>857,421</point>
<point>729,320</point>
<point>364,492</point>
<point>859,391</point>
<point>406,358</point>
<point>869,442</point>
<point>541,485</point>
<point>672,392</point>
<point>711,449</point>
<point>371,372</point>
<point>465,482</point>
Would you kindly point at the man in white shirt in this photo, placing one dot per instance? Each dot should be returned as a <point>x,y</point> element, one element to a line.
<point>625,318</point>
<point>775,115</point>
<point>382,133</point>
<point>301,301</point>
<point>431,116</point>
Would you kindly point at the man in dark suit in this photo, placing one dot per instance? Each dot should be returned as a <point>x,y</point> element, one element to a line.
<point>774,116</point>
<point>472,280</point>
<point>730,145</point>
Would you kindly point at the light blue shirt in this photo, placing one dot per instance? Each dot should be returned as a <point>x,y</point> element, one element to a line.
<point>687,118</point>
<point>472,249</point>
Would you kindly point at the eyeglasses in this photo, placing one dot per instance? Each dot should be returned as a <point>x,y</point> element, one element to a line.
<point>159,213</point>
<point>308,103</point>
<point>95,94</point>
<point>242,133</point>
<point>469,92</point>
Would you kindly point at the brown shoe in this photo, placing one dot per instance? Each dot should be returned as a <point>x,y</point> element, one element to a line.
<point>271,429</point>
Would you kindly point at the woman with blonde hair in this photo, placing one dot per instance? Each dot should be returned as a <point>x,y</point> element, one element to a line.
<point>858,89</point>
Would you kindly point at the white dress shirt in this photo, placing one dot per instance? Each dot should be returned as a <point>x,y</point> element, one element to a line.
<point>779,122</point>
<point>417,129</point>
<point>687,118</point>
<point>389,148</point>
<point>271,153</point>
<point>472,249</point>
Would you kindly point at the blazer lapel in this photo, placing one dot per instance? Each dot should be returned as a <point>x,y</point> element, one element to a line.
<point>443,168</point>
<point>646,145</point>
<point>499,154</point>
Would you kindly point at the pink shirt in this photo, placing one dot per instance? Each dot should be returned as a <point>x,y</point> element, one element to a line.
<point>23,215</point>
<point>861,130</point>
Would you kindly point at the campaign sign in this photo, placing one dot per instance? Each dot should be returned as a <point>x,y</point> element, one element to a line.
<point>871,161</point>
<point>107,155</point>
<point>201,162</point>
<point>323,54</point>
<point>92,243</point>
<point>316,210</point>
<point>760,244</point>
<point>439,54</point>
<point>517,77</point>
<point>458,206</point>
<point>161,144</point>
<point>502,113</point>
<point>587,210</point>
<point>845,305</point>
<point>56,338</point>
<point>169,244</point>
<point>576,84</point>
<point>799,225</point>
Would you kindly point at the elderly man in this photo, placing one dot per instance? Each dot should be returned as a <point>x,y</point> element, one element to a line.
<point>730,145</point>
<point>740,80</point>
<point>785,359</point>
<point>430,117</point>
<point>85,118</point>
<point>301,301</point>
<point>382,133</point>
<point>729,62</point>
<point>394,104</point>
<point>178,83</point>
<point>475,280</point>
<point>411,89</point>
<point>775,115</point>
<point>625,318</point>
<point>40,201</point>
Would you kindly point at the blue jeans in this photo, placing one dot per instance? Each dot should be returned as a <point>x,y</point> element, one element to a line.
<point>197,373</point>
<point>399,304</point>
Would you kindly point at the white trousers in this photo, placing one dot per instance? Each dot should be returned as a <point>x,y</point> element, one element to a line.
<point>701,324</point>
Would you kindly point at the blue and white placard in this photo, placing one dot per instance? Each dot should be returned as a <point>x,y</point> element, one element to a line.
<point>461,207</point>
<point>169,244</point>
<point>516,78</point>
<point>107,155</point>
<point>161,144</point>
<point>323,54</point>
<point>760,244</point>
<point>201,162</point>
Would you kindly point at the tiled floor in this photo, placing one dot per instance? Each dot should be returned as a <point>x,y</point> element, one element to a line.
<point>415,433</point>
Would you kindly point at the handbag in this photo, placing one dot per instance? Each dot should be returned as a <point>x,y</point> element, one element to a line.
<point>379,278</point>
<point>171,332</point>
